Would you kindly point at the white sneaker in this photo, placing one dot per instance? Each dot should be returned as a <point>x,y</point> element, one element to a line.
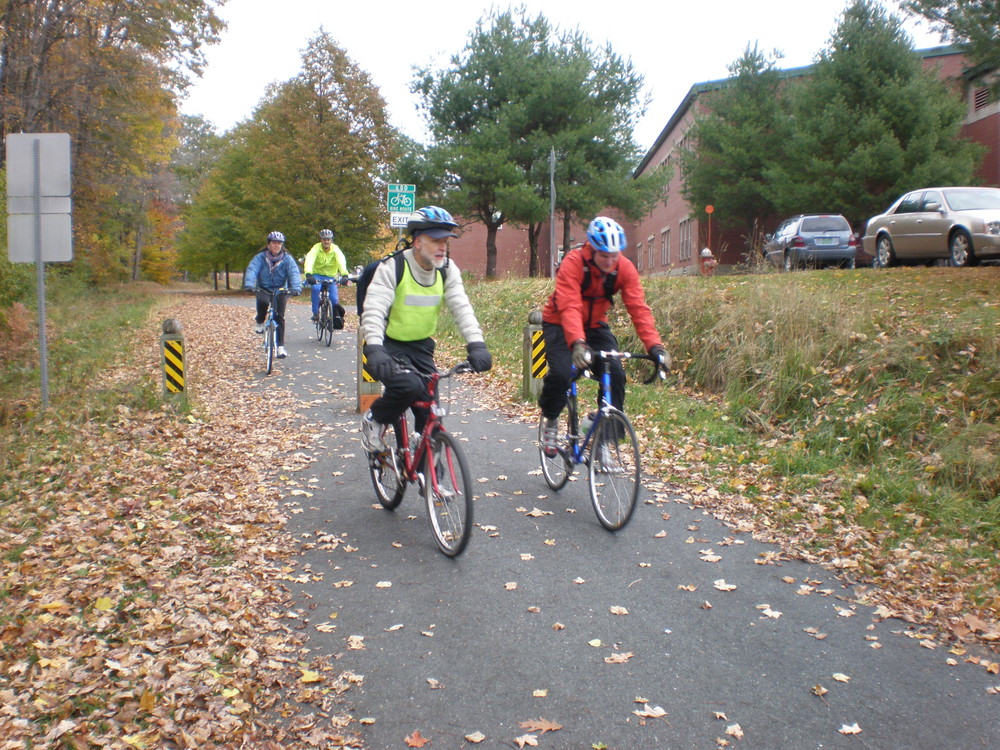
<point>282,353</point>
<point>259,328</point>
<point>608,463</point>
<point>371,434</point>
<point>550,437</point>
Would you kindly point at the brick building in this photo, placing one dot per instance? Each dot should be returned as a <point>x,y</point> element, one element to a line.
<point>668,240</point>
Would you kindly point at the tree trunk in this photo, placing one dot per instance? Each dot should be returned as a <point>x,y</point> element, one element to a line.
<point>534,262</point>
<point>491,250</point>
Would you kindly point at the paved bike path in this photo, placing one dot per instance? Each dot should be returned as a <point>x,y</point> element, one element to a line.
<point>623,640</point>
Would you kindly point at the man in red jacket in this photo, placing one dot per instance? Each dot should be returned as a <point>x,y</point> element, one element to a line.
<point>575,319</point>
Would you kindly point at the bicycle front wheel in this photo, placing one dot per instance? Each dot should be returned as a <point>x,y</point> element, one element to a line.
<point>320,326</point>
<point>557,468</point>
<point>448,494</point>
<point>615,470</point>
<point>386,468</point>
<point>269,334</point>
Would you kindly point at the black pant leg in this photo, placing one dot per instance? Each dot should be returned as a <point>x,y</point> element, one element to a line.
<point>559,361</point>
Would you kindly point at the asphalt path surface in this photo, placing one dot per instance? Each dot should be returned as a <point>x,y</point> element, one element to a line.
<point>677,632</point>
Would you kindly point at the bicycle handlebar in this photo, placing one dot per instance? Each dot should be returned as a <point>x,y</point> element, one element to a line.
<point>658,372</point>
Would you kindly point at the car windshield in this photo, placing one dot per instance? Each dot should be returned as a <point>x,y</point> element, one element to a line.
<point>825,224</point>
<point>973,200</point>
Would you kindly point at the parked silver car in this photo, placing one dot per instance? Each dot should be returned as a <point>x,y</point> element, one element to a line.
<point>812,240</point>
<point>957,224</point>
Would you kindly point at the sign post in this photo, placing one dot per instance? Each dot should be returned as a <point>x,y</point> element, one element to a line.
<point>39,215</point>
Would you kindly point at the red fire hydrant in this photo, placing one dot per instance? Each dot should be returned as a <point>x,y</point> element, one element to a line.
<point>708,262</point>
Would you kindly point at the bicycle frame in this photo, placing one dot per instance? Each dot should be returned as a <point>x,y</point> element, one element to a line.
<point>411,459</point>
<point>580,444</point>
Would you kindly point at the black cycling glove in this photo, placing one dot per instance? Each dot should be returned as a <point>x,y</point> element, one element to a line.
<point>479,356</point>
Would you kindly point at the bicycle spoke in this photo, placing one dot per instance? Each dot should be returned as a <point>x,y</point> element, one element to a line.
<point>558,468</point>
<point>615,470</point>
<point>386,468</point>
<point>448,494</point>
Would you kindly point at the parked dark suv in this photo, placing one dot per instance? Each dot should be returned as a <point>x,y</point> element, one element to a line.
<point>813,241</point>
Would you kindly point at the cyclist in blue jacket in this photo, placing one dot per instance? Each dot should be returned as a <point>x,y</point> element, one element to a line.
<point>271,269</point>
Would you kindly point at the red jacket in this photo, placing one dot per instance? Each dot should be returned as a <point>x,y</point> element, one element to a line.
<point>577,309</point>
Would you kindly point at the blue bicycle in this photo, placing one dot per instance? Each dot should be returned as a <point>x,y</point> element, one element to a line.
<point>605,441</point>
<point>271,329</point>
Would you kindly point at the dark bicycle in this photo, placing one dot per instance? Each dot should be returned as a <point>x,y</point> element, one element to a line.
<point>271,328</point>
<point>435,462</point>
<point>330,317</point>
<point>605,441</point>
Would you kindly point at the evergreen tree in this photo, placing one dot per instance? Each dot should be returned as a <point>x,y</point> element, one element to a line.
<point>734,140</point>
<point>515,92</point>
<point>869,124</point>
<point>974,24</point>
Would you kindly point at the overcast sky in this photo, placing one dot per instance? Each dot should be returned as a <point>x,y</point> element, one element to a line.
<point>674,45</point>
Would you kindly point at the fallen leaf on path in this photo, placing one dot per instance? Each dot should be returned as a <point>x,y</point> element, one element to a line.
<point>619,658</point>
<point>852,729</point>
<point>415,740</point>
<point>540,725</point>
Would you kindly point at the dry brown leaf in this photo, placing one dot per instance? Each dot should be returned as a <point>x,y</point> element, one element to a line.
<point>540,725</point>
<point>416,740</point>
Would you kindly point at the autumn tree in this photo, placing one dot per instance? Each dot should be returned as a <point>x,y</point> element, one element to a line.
<point>108,73</point>
<point>518,90</point>
<point>734,140</point>
<point>973,24</point>
<point>314,154</point>
<point>869,124</point>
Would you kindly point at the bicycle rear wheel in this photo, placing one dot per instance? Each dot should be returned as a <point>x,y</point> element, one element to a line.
<point>558,468</point>
<point>386,468</point>
<point>270,332</point>
<point>615,470</point>
<point>448,494</point>
<point>326,316</point>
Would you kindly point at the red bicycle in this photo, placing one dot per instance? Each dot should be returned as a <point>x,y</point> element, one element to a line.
<point>434,461</point>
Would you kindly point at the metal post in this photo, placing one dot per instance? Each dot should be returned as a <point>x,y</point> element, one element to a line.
<point>552,213</point>
<point>369,388</point>
<point>534,365</point>
<point>43,348</point>
<point>172,356</point>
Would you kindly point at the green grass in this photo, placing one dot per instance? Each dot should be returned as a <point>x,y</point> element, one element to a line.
<point>878,392</point>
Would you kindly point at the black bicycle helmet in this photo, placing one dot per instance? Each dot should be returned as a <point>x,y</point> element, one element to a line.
<point>431,220</point>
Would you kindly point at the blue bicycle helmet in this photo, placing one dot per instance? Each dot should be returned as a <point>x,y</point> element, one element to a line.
<point>433,221</point>
<point>606,235</point>
<point>275,237</point>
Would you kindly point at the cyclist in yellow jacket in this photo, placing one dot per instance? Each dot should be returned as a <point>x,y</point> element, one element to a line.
<point>325,262</point>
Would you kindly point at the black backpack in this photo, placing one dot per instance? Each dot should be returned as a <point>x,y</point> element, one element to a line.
<point>369,271</point>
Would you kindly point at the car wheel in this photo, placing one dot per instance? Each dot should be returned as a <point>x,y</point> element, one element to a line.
<point>789,265</point>
<point>885,256</point>
<point>960,250</point>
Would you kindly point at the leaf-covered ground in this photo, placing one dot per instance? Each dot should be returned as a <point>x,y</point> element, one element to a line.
<point>142,601</point>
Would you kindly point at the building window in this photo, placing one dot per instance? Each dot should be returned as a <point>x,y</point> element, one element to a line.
<point>638,256</point>
<point>651,247</point>
<point>665,248</point>
<point>685,240</point>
